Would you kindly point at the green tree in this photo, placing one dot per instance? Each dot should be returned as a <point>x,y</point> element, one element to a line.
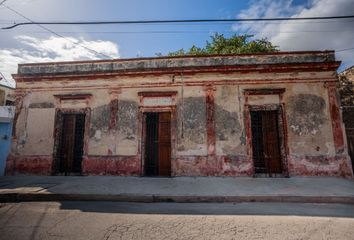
<point>236,44</point>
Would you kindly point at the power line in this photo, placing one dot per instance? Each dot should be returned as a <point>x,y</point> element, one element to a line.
<point>13,21</point>
<point>333,21</point>
<point>183,21</point>
<point>199,31</point>
<point>178,21</point>
<point>56,34</point>
<point>346,49</point>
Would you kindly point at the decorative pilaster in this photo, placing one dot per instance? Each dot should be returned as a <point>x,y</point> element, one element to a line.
<point>10,167</point>
<point>210,119</point>
<point>113,119</point>
<point>336,120</point>
<point>19,105</point>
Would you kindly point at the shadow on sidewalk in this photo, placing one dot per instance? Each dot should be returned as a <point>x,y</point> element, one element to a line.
<point>256,208</point>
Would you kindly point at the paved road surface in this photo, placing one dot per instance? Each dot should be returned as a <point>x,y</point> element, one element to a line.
<point>112,220</point>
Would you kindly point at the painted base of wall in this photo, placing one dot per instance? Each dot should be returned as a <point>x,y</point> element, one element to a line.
<point>29,165</point>
<point>111,165</point>
<point>338,166</point>
<point>92,165</point>
<point>212,166</point>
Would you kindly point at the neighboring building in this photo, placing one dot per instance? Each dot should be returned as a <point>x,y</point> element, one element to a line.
<point>347,99</point>
<point>349,73</point>
<point>273,114</point>
<point>7,97</point>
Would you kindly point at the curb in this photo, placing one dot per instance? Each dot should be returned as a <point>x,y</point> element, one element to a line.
<point>31,197</point>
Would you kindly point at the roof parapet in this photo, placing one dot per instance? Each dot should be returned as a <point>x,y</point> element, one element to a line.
<point>145,64</point>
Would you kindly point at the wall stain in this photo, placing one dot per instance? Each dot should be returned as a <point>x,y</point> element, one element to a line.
<point>306,114</point>
<point>193,114</point>
<point>42,105</point>
<point>227,123</point>
<point>127,118</point>
<point>99,119</point>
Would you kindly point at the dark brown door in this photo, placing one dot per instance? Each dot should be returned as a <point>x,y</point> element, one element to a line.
<point>164,144</point>
<point>271,141</point>
<point>71,146</point>
<point>151,144</point>
<point>157,144</point>
<point>265,142</point>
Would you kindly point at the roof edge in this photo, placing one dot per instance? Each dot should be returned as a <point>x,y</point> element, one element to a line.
<point>179,57</point>
<point>348,68</point>
<point>6,86</point>
<point>190,70</point>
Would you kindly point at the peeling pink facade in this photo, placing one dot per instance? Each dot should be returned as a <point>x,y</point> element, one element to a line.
<point>213,103</point>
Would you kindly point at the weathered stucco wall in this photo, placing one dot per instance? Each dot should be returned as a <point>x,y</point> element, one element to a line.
<point>211,135</point>
<point>101,140</point>
<point>230,132</point>
<point>231,149</point>
<point>35,124</point>
<point>310,130</point>
<point>311,143</point>
<point>191,123</point>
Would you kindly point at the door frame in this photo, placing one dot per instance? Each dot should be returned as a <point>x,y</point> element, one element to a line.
<point>58,125</point>
<point>142,134</point>
<point>144,143</point>
<point>282,130</point>
<point>166,102</point>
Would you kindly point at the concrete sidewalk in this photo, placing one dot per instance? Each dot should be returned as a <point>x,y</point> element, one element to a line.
<point>178,189</point>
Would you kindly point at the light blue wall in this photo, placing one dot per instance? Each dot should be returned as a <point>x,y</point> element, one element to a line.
<point>5,143</point>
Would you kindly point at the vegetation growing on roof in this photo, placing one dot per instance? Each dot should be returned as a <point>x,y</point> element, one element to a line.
<point>236,44</point>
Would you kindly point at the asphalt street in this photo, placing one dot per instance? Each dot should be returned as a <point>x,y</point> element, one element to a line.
<point>117,220</point>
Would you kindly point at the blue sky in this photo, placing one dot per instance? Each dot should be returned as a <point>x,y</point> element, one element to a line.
<point>33,44</point>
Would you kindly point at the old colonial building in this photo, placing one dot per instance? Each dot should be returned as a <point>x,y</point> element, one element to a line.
<point>7,96</point>
<point>271,114</point>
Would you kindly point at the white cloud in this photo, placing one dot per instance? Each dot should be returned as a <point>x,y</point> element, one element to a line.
<point>51,49</point>
<point>303,35</point>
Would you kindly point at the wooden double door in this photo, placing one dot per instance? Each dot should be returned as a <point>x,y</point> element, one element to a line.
<point>71,143</point>
<point>157,158</point>
<point>266,142</point>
